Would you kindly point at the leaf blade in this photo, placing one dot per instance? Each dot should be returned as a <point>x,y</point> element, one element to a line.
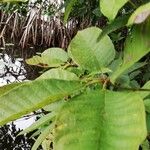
<point>111,12</point>
<point>34,95</point>
<point>89,53</point>
<point>117,121</point>
<point>136,46</point>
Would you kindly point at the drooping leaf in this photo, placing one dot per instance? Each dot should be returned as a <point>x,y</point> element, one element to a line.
<point>90,54</point>
<point>136,46</point>
<point>36,133</point>
<point>135,67</point>
<point>140,14</point>
<point>41,122</point>
<point>42,136</point>
<point>110,8</point>
<point>32,96</point>
<point>52,57</point>
<point>68,9</point>
<point>58,74</point>
<point>103,120</point>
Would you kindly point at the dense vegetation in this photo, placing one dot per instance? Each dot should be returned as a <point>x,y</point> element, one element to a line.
<point>96,91</point>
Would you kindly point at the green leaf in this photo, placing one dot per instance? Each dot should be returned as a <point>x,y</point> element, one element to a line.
<point>70,4</point>
<point>36,133</point>
<point>145,93</point>
<point>145,145</point>
<point>103,120</point>
<point>9,87</point>
<point>46,143</point>
<point>140,14</point>
<point>58,74</point>
<point>147,105</point>
<point>148,122</point>
<point>54,106</point>
<point>13,1</point>
<point>90,54</point>
<point>41,122</point>
<point>52,57</point>
<point>32,96</point>
<point>110,8</point>
<point>42,136</point>
<point>116,24</point>
<point>136,46</point>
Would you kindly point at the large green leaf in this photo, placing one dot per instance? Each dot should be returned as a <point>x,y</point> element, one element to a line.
<point>140,14</point>
<point>110,8</point>
<point>52,57</point>
<point>89,53</point>
<point>58,74</point>
<point>101,120</point>
<point>9,87</point>
<point>32,96</point>
<point>136,46</point>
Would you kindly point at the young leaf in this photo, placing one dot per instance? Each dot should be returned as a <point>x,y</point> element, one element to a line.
<point>110,8</point>
<point>103,120</point>
<point>136,46</point>
<point>32,96</point>
<point>58,74</point>
<point>52,57</point>
<point>89,53</point>
<point>140,15</point>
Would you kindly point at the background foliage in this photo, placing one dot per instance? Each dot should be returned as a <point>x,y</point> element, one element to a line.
<point>104,70</point>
